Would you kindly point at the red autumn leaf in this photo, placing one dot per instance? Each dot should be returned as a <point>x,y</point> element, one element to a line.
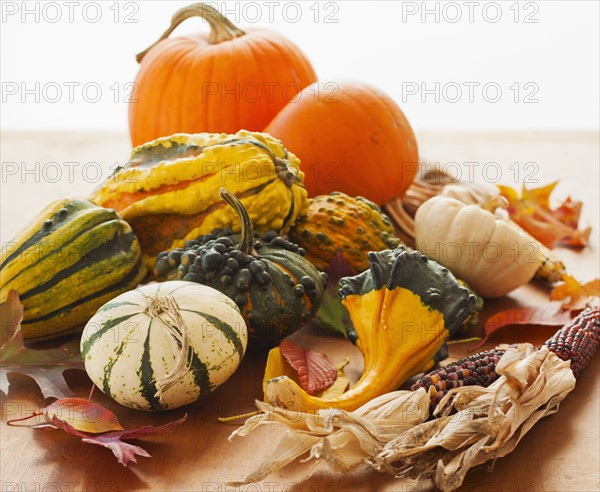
<point>44,366</point>
<point>574,292</point>
<point>315,371</point>
<point>82,415</point>
<point>551,314</point>
<point>533,213</point>
<point>123,451</point>
<point>95,424</point>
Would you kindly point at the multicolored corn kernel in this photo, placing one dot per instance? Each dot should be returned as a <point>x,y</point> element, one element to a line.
<point>578,340</point>
<point>478,369</point>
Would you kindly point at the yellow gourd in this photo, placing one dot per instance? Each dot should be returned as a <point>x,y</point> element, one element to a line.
<point>402,309</point>
<point>169,191</point>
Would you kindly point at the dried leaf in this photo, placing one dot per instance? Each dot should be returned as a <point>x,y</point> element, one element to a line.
<point>339,387</point>
<point>341,383</point>
<point>44,366</point>
<point>95,424</point>
<point>332,315</point>
<point>551,314</point>
<point>123,451</point>
<point>549,226</point>
<point>573,293</point>
<point>11,315</point>
<point>315,371</point>
<point>82,415</point>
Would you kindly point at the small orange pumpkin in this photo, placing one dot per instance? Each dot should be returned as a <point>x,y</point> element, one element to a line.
<point>218,83</point>
<point>349,137</point>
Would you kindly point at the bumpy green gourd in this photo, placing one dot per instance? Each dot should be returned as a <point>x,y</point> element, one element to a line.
<point>267,276</point>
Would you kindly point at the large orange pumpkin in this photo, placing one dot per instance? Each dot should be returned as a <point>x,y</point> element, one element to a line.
<point>219,82</point>
<point>350,137</point>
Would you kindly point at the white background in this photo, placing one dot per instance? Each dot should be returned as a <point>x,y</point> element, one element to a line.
<point>549,49</point>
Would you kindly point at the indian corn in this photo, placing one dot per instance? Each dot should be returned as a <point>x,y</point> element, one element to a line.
<point>577,341</point>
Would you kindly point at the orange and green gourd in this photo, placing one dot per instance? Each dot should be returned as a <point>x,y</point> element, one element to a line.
<point>352,226</point>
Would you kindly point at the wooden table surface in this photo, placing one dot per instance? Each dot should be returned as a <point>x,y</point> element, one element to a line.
<point>561,453</point>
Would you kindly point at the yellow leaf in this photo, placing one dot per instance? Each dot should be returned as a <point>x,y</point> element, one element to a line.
<point>572,290</point>
<point>540,196</point>
<point>336,389</point>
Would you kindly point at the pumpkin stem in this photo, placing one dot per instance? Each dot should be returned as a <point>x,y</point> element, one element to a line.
<point>496,202</point>
<point>247,233</point>
<point>221,28</point>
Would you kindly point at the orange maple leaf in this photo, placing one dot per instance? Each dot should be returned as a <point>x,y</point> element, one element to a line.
<point>574,292</point>
<point>549,226</point>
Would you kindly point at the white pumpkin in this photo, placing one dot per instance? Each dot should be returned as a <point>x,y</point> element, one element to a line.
<point>489,253</point>
<point>164,345</point>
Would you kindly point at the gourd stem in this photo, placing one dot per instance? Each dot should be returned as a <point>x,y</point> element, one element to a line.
<point>167,313</point>
<point>494,203</point>
<point>246,234</point>
<point>221,28</point>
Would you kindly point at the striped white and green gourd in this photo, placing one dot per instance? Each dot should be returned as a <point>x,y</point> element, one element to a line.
<point>133,346</point>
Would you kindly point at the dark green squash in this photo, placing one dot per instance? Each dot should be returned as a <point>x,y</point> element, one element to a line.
<point>274,286</point>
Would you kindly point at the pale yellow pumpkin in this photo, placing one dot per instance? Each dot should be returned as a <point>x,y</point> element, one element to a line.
<point>489,253</point>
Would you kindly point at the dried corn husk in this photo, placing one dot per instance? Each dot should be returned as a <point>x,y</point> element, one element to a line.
<point>391,432</point>
<point>343,439</point>
<point>489,422</point>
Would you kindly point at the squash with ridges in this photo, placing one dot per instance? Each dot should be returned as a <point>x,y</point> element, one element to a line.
<point>75,257</point>
<point>169,191</point>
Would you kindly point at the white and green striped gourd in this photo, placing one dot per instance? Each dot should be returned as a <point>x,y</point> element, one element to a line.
<point>164,345</point>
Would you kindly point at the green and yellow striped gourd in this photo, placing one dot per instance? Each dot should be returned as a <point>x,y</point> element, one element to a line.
<point>164,345</point>
<point>169,190</point>
<point>71,260</point>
